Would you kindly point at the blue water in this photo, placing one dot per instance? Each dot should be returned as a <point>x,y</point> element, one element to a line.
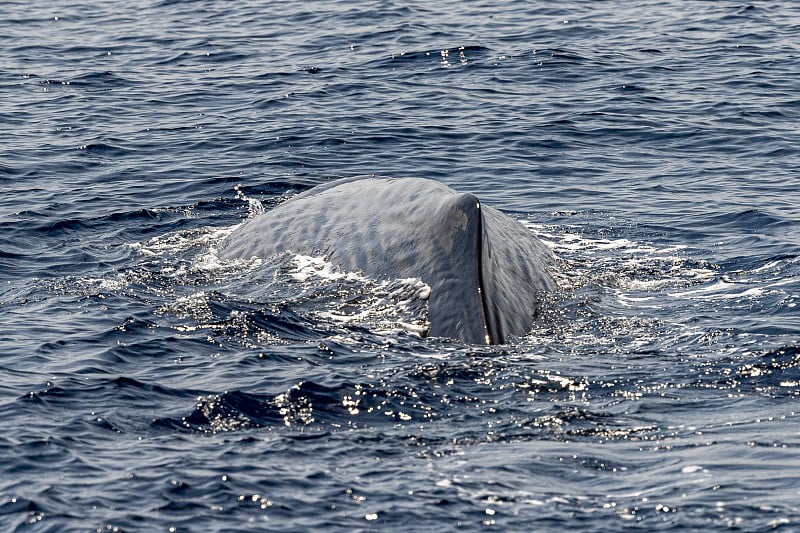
<point>146,385</point>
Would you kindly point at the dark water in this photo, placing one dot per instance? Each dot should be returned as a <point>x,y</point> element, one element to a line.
<point>148,386</point>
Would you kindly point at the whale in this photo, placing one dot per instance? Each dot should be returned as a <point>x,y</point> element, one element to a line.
<point>488,274</point>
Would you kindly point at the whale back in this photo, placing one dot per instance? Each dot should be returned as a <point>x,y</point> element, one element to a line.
<point>485,270</point>
<point>515,275</point>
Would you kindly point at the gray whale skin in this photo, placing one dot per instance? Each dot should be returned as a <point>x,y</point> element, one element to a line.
<point>486,271</point>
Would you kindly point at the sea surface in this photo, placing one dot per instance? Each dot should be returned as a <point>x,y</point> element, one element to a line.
<point>148,385</point>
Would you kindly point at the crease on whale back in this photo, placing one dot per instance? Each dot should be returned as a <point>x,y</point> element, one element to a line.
<point>456,307</point>
<point>408,227</point>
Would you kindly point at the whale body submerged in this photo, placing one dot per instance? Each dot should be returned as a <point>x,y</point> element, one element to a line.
<point>486,271</point>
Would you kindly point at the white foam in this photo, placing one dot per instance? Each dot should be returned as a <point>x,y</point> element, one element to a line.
<point>388,306</point>
<point>254,206</point>
<point>306,267</point>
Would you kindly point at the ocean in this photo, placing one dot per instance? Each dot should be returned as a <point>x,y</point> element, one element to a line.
<point>146,384</point>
